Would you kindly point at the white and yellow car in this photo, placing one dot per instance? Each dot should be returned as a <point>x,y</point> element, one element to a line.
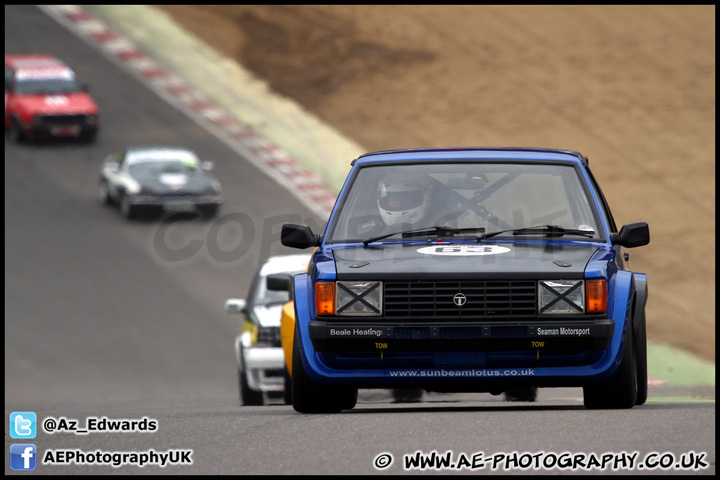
<point>258,349</point>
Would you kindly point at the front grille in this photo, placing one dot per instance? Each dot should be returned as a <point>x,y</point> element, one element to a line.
<point>463,333</point>
<point>179,195</point>
<point>269,335</point>
<point>411,333</point>
<point>424,300</point>
<point>62,119</point>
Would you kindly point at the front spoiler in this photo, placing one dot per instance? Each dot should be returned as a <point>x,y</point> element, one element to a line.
<point>179,202</point>
<point>262,365</point>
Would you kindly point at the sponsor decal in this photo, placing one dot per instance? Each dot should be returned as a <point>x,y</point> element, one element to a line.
<point>565,331</point>
<point>56,100</point>
<point>174,181</point>
<point>463,250</point>
<point>355,332</point>
<point>472,372</point>
<point>44,74</point>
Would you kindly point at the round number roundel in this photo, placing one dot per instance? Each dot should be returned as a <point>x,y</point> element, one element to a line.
<point>463,250</point>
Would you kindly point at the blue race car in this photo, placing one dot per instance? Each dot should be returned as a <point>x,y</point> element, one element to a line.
<point>495,270</point>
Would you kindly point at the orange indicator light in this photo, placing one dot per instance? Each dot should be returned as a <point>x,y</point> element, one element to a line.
<point>325,298</point>
<point>596,293</point>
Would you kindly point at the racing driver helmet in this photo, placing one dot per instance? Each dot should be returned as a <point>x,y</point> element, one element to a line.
<point>403,199</point>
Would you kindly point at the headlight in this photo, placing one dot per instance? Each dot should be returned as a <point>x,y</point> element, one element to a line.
<point>257,336</point>
<point>133,187</point>
<point>561,296</point>
<point>358,298</point>
<point>91,119</point>
<point>211,190</point>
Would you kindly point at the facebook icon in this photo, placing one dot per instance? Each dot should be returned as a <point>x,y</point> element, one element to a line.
<point>22,456</point>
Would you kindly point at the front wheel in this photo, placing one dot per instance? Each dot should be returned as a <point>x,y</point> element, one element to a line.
<point>408,395</point>
<point>208,211</point>
<point>105,197</point>
<point>127,209</point>
<point>620,390</point>
<point>16,132</point>
<point>287,391</point>
<point>309,396</point>
<point>524,394</point>
<point>248,396</point>
<point>641,360</point>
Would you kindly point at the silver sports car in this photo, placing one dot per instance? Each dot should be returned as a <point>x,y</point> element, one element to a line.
<point>156,180</point>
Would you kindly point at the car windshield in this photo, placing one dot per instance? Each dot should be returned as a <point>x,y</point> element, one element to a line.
<point>266,297</point>
<point>50,85</point>
<point>485,197</point>
<point>161,167</point>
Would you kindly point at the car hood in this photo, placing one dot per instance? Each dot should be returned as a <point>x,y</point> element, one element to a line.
<point>59,103</point>
<point>175,183</point>
<point>463,261</point>
<point>268,315</point>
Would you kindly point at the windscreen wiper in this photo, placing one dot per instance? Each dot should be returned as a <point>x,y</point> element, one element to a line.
<point>547,230</point>
<point>440,231</point>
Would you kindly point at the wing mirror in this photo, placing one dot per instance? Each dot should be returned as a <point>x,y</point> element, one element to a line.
<point>299,236</point>
<point>632,235</point>
<point>279,282</point>
<point>235,306</point>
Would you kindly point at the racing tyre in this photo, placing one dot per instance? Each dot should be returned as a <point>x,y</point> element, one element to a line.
<point>15,132</point>
<point>620,390</point>
<point>309,396</point>
<point>287,392</point>
<point>408,395</point>
<point>349,398</point>
<point>524,394</point>
<point>127,209</point>
<point>641,360</point>
<point>248,396</point>
<point>105,197</point>
<point>209,211</point>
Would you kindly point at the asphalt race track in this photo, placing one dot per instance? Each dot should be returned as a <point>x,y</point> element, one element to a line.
<point>106,317</point>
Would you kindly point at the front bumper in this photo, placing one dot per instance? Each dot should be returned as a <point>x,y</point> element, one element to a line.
<point>461,336</point>
<point>264,368</point>
<point>176,202</point>
<point>62,131</point>
<point>467,356</point>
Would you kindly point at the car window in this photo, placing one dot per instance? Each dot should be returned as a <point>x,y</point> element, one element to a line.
<point>490,196</point>
<point>159,167</point>
<point>49,85</point>
<point>263,296</point>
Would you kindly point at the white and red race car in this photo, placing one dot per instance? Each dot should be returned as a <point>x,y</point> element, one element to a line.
<point>44,99</point>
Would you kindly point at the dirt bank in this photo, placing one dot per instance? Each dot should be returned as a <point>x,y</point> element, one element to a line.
<point>632,87</point>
